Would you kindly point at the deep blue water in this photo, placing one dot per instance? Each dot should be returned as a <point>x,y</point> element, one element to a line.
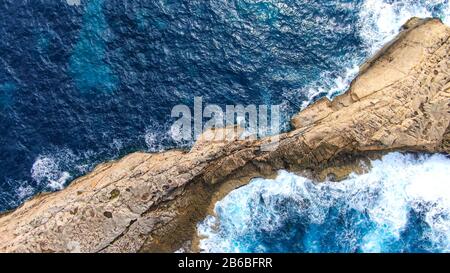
<point>82,84</point>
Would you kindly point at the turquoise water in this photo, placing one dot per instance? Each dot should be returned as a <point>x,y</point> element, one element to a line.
<point>401,205</point>
<point>88,65</point>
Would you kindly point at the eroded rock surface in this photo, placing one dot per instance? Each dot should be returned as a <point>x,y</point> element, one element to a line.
<point>151,202</point>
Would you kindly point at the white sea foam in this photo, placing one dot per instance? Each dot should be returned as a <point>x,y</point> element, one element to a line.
<point>379,21</point>
<point>332,86</point>
<point>158,138</point>
<point>395,185</point>
<point>46,169</point>
<point>73,2</point>
<point>446,17</point>
<point>116,145</point>
<point>152,140</point>
<point>24,190</point>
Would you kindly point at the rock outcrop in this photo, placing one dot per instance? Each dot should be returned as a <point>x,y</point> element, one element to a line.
<point>151,202</point>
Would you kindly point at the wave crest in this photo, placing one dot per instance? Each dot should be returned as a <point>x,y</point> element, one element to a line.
<point>401,205</point>
<point>379,21</point>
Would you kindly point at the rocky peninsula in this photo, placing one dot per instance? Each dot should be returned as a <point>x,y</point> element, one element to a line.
<point>152,202</point>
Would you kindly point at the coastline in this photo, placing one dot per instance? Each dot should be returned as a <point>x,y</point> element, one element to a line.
<point>152,202</point>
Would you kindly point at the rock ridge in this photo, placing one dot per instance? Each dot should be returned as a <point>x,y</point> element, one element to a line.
<point>400,101</point>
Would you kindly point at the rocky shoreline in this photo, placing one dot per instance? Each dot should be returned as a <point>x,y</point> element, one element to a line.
<point>152,202</point>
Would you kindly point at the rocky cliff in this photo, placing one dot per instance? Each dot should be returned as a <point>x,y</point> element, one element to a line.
<point>151,202</point>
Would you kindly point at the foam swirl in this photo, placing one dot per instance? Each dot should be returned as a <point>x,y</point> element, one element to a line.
<point>401,205</point>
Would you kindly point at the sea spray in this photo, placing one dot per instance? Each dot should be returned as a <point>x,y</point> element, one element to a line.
<point>401,205</point>
<point>378,22</point>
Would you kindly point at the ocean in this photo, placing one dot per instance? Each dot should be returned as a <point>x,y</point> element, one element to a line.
<point>402,205</point>
<point>87,81</point>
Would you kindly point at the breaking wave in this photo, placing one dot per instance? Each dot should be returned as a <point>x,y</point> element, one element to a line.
<point>378,22</point>
<point>47,170</point>
<point>401,205</point>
